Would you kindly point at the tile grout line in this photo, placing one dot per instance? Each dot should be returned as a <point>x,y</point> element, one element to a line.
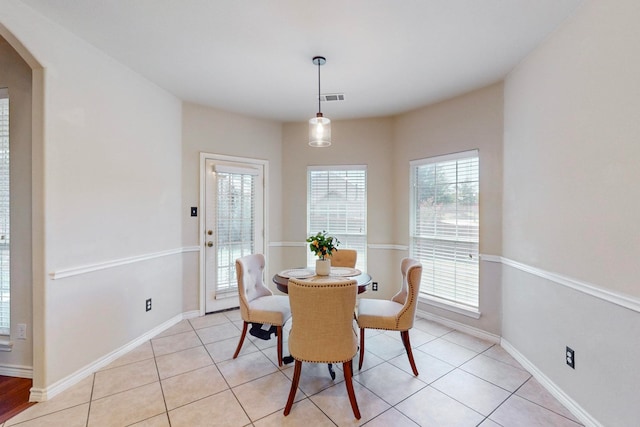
<point>267,351</point>
<point>93,385</point>
<point>307,396</point>
<point>222,375</point>
<point>164,398</point>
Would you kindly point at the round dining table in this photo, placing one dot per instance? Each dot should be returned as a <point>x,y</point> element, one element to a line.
<point>281,279</point>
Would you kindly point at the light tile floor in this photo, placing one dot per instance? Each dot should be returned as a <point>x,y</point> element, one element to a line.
<point>186,377</point>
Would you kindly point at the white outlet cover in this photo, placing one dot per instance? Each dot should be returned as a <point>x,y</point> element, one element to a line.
<point>22,331</point>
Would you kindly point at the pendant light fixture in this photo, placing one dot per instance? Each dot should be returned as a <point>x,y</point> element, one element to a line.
<point>319,126</point>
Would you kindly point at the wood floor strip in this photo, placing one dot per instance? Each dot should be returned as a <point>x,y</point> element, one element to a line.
<point>14,398</point>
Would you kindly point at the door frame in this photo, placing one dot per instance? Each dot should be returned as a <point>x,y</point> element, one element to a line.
<point>202,216</point>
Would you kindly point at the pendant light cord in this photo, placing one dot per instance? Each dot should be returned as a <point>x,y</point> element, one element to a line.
<point>319,109</point>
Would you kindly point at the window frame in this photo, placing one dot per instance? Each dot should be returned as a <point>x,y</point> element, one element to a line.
<point>5,226</point>
<point>343,237</point>
<point>437,299</point>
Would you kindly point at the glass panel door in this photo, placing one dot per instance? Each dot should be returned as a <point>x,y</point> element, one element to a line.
<point>234,218</point>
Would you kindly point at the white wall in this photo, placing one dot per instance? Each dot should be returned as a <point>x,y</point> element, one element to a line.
<point>354,142</point>
<point>16,76</point>
<point>209,130</point>
<point>467,122</point>
<point>108,187</point>
<point>571,206</point>
<point>386,145</point>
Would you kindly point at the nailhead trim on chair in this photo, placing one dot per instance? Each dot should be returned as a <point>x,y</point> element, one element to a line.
<point>327,285</point>
<point>319,311</point>
<point>411,295</point>
<point>408,304</point>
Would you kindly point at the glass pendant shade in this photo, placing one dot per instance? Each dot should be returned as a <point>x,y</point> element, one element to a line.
<point>319,126</point>
<point>319,131</point>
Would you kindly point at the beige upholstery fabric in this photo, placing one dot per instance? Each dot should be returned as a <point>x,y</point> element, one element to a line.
<point>401,296</point>
<point>395,315</point>
<point>322,329</point>
<point>257,302</point>
<point>344,258</point>
<point>398,313</point>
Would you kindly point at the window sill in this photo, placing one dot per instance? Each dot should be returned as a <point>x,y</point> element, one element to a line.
<point>447,305</point>
<point>5,345</point>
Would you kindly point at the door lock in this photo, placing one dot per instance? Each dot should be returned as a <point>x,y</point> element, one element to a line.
<point>209,232</point>
<point>210,244</point>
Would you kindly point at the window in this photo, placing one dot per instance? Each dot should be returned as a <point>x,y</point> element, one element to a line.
<point>444,226</point>
<point>337,203</point>
<point>5,282</point>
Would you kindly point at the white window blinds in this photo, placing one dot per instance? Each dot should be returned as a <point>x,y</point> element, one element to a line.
<point>235,227</point>
<point>5,279</point>
<point>337,203</point>
<point>445,226</point>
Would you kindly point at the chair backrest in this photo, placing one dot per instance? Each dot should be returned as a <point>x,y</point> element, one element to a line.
<point>411,270</point>
<point>322,326</point>
<point>344,258</point>
<point>249,272</point>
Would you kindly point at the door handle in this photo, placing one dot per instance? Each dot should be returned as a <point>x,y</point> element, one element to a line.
<point>210,244</point>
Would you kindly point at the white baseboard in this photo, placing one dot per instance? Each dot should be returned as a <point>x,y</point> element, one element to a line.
<point>40,395</point>
<point>478,333</point>
<point>191,314</point>
<point>582,415</point>
<point>16,371</point>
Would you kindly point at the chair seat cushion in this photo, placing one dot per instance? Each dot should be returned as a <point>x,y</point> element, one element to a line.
<point>272,309</point>
<point>378,314</point>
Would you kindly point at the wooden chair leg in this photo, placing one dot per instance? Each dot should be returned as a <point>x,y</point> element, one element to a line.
<point>294,387</point>
<point>348,374</point>
<point>244,332</point>
<point>361,349</point>
<point>407,347</point>
<point>279,332</point>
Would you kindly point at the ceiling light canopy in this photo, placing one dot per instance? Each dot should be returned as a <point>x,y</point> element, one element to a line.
<point>319,126</point>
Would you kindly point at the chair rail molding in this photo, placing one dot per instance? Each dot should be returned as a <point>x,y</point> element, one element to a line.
<point>84,269</point>
<point>388,246</point>
<point>287,244</point>
<point>618,298</point>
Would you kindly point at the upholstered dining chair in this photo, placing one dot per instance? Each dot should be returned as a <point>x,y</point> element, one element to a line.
<point>344,258</point>
<point>396,314</point>
<point>257,302</point>
<point>322,328</point>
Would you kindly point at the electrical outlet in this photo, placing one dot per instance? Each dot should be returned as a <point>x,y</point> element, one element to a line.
<point>571,358</point>
<point>374,286</point>
<point>148,305</point>
<point>21,331</point>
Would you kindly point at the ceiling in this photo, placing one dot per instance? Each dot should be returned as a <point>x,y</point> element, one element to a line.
<point>255,57</point>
